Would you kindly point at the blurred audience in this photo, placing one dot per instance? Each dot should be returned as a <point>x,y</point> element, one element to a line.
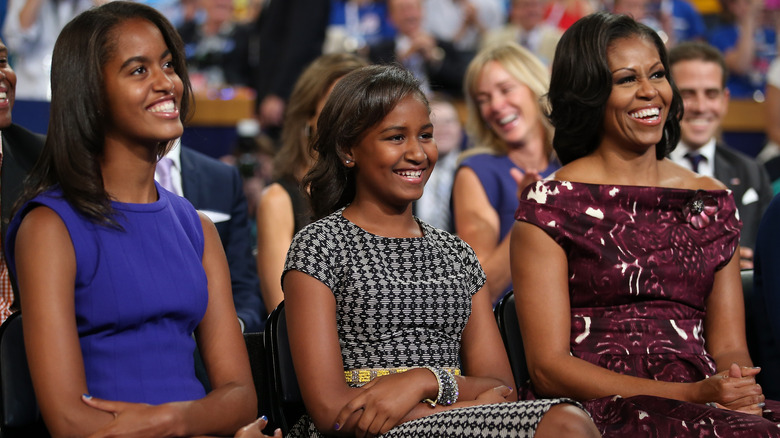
<point>216,47</point>
<point>31,27</point>
<point>700,73</point>
<point>433,206</point>
<point>437,64</point>
<point>356,24</point>
<point>463,22</point>
<point>527,27</point>
<point>289,35</point>
<point>563,13</point>
<point>283,208</point>
<point>504,85</point>
<point>748,42</point>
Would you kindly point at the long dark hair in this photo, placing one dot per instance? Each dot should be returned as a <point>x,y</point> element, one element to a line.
<point>75,138</point>
<point>359,101</point>
<point>581,83</point>
<point>314,82</point>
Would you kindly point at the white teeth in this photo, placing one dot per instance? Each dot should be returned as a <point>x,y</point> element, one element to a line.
<point>649,112</point>
<point>3,95</point>
<point>507,119</point>
<point>163,107</point>
<point>698,122</point>
<point>410,173</point>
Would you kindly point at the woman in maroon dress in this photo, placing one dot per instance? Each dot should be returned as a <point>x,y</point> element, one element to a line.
<point>628,296</point>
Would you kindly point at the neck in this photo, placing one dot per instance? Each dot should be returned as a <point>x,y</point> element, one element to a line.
<point>529,155</point>
<point>383,220</point>
<point>128,174</point>
<point>624,167</point>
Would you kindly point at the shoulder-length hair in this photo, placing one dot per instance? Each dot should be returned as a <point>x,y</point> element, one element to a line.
<point>359,101</point>
<point>581,83</point>
<point>75,137</point>
<point>522,65</point>
<point>295,157</point>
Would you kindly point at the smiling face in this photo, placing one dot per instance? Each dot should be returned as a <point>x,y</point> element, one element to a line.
<point>706,101</point>
<point>142,90</point>
<point>507,105</point>
<point>7,88</point>
<point>641,94</point>
<point>395,158</point>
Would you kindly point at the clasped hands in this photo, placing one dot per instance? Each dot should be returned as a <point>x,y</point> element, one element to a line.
<point>387,400</point>
<point>734,389</point>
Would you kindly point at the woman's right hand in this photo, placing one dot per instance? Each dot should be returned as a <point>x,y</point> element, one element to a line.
<point>735,389</point>
<point>384,401</point>
<point>255,430</point>
<point>524,179</point>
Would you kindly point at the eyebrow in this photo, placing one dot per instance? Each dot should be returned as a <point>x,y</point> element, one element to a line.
<point>142,59</point>
<point>634,70</point>
<point>403,128</point>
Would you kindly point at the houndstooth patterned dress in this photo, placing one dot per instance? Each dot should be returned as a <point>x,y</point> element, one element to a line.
<point>404,302</point>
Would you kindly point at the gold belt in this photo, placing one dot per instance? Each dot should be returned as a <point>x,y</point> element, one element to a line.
<point>365,375</point>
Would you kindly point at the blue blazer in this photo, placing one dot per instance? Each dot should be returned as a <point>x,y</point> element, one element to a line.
<point>216,188</point>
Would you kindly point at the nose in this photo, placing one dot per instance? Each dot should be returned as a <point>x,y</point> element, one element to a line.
<point>163,81</point>
<point>693,103</point>
<point>647,90</point>
<point>415,152</point>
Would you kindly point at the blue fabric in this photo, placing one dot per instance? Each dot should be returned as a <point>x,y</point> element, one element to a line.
<point>500,187</point>
<point>743,86</point>
<point>687,22</point>
<point>374,24</point>
<point>139,294</point>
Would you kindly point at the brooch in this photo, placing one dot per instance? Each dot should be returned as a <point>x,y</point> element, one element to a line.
<point>700,209</point>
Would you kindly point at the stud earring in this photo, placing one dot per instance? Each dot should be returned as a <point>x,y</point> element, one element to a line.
<point>347,161</point>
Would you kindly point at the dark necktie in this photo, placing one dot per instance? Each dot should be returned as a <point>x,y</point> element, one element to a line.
<point>695,159</point>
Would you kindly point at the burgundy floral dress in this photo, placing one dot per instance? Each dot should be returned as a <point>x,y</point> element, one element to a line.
<point>642,261</point>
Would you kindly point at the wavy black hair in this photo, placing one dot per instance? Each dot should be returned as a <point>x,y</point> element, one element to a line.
<point>75,137</point>
<point>358,102</point>
<point>581,83</point>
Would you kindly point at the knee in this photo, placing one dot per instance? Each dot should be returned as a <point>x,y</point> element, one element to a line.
<point>566,420</point>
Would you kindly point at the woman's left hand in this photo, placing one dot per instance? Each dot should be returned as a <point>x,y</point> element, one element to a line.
<point>524,179</point>
<point>133,419</point>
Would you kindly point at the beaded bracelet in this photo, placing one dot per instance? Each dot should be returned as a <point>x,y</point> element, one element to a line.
<point>448,387</point>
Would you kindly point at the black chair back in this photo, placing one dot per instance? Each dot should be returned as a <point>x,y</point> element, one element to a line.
<point>286,401</point>
<point>19,413</point>
<point>506,317</point>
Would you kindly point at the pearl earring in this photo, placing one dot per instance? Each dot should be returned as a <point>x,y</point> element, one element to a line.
<point>347,161</point>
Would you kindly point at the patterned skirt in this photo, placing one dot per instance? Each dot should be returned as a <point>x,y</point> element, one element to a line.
<point>516,419</point>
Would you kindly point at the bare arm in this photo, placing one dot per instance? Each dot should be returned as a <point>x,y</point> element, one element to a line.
<point>275,225</point>
<point>540,273</point>
<point>29,12</point>
<point>46,271</point>
<point>739,59</point>
<point>478,224</point>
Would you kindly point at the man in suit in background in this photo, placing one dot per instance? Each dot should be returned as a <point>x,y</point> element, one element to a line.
<point>21,149</point>
<point>700,74</point>
<point>215,189</point>
<point>437,64</point>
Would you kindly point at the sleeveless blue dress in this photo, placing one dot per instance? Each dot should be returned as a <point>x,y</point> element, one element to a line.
<point>139,294</point>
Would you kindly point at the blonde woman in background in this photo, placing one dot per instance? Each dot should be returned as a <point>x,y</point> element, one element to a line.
<point>504,84</point>
<point>283,209</point>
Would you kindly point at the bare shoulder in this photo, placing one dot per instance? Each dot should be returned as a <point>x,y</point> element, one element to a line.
<point>674,175</point>
<point>40,220</point>
<point>580,170</point>
<point>274,195</point>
